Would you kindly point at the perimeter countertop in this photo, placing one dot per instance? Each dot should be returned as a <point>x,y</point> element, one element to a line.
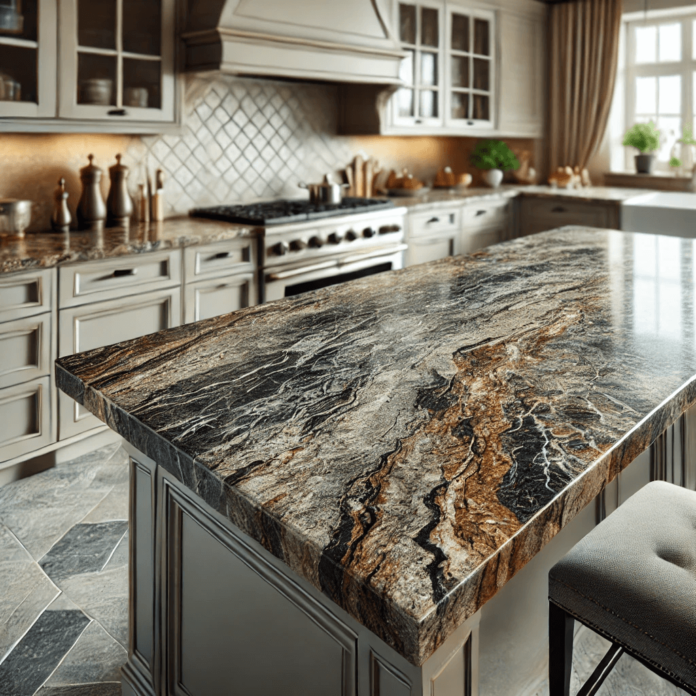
<point>409,441</point>
<point>51,249</point>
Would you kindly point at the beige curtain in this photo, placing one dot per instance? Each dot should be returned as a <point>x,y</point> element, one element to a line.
<point>584,54</point>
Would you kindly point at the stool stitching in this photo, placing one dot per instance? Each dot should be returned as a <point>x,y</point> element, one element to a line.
<point>638,628</point>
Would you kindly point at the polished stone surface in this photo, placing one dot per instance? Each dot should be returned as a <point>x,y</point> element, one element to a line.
<point>50,249</point>
<point>408,442</point>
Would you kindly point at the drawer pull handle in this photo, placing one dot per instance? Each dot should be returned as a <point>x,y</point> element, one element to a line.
<point>559,209</point>
<point>433,220</point>
<point>124,272</point>
<point>480,212</point>
<point>117,112</point>
<point>222,255</point>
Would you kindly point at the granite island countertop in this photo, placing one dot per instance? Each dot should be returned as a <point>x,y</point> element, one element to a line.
<point>409,441</point>
<point>46,250</point>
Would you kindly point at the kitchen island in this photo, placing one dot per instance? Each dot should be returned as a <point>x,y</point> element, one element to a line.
<point>328,492</point>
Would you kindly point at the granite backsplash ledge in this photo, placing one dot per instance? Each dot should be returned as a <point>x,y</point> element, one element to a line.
<point>242,140</point>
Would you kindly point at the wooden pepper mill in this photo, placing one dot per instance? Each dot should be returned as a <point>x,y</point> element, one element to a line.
<point>119,204</point>
<point>61,218</point>
<point>91,211</point>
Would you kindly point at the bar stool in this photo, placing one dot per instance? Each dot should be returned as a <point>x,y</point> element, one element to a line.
<point>633,581</point>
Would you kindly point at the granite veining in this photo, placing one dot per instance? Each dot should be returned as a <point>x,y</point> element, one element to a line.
<point>51,249</point>
<point>408,442</point>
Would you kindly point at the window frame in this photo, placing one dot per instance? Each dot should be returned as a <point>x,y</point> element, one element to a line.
<point>685,68</point>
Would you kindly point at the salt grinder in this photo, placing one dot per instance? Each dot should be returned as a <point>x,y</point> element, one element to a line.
<point>119,204</point>
<point>61,218</point>
<point>91,211</point>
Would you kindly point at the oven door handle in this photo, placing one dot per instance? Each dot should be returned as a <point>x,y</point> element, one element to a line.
<point>384,251</point>
<point>301,271</point>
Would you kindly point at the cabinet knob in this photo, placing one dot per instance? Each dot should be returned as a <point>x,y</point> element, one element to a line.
<point>117,112</point>
<point>558,209</point>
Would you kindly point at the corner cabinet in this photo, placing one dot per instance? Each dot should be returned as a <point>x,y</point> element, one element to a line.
<point>113,69</point>
<point>473,67</point>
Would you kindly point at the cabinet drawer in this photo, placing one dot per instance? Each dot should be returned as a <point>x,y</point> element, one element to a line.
<point>480,239</point>
<point>425,224</point>
<point>25,294</point>
<point>211,298</point>
<point>541,215</point>
<point>487,214</point>
<point>431,249</point>
<point>101,324</point>
<point>25,349</point>
<point>25,414</point>
<point>111,278</point>
<point>222,258</point>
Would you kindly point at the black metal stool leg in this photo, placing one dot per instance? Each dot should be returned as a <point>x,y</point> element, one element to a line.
<point>560,651</point>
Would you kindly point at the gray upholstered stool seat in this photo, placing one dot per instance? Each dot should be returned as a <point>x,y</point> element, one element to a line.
<point>632,580</point>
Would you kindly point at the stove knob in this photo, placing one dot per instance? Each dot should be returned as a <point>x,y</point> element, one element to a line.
<point>335,238</point>
<point>388,229</point>
<point>280,249</point>
<point>351,235</point>
<point>369,232</point>
<point>298,245</point>
<point>316,242</point>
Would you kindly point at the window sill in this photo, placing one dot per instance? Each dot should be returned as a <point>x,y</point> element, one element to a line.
<point>661,181</point>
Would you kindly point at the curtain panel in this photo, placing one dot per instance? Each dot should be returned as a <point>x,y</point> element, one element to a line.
<point>584,55</point>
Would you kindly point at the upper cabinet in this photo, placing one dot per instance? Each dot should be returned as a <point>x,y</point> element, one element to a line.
<point>112,70</point>
<point>471,68</point>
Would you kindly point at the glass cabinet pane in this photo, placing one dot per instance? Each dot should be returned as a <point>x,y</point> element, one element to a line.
<point>19,19</point>
<point>407,23</point>
<point>481,107</point>
<point>482,46</point>
<point>428,104</point>
<point>460,71</point>
<point>430,32</point>
<point>96,79</point>
<point>404,100</point>
<point>141,83</point>
<point>428,74</point>
<point>460,33</point>
<point>142,27</point>
<point>407,69</point>
<point>18,74</point>
<point>482,74</point>
<point>460,105</point>
<point>96,23</point>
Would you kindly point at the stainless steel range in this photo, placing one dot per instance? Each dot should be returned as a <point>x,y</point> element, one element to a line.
<point>309,246</point>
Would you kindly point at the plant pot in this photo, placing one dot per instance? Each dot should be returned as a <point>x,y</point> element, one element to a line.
<point>493,177</point>
<point>644,164</point>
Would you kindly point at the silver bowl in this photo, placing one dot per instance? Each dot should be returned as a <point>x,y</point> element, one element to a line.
<point>15,216</point>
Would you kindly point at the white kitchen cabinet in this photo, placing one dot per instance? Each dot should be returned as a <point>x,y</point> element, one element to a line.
<point>433,235</point>
<point>100,324</point>
<point>25,349</point>
<point>541,214</point>
<point>485,223</point>
<point>212,298</point>
<point>113,69</point>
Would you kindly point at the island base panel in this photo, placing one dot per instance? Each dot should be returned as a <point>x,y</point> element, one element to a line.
<point>212,612</point>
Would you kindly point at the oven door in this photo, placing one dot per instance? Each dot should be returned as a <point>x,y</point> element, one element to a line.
<point>294,281</point>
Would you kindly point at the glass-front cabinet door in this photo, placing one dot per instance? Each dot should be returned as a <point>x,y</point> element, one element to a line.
<point>471,74</point>
<point>420,100</point>
<point>27,58</point>
<point>117,58</point>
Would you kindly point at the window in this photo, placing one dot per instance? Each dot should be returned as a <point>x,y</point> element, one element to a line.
<point>661,79</point>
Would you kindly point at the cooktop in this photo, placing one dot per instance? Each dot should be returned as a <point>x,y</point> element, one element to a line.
<point>285,211</point>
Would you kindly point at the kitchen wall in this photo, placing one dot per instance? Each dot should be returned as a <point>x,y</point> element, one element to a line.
<point>242,140</point>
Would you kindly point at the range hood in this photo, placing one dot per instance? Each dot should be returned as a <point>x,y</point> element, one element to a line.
<point>325,40</point>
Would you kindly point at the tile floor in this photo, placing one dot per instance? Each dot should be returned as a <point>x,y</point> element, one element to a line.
<point>64,580</point>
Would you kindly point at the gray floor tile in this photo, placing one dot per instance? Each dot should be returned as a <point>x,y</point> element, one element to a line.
<point>40,651</point>
<point>95,657</point>
<point>105,689</point>
<point>84,549</point>
<point>113,507</point>
<point>25,593</point>
<point>120,555</point>
<point>104,596</point>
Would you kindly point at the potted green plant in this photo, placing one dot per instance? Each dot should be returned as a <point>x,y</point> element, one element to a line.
<point>494,157</point>
<point>646,139</point>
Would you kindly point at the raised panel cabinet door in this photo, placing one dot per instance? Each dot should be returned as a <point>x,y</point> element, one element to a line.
<point>480,239</point>
<point>424,250</point>
<point>26,293</point>
<point>28,52</point>
<point>25,415</point>
<point>25,349</point>
<point>212,298</point>
<point>101,324</point>
<point>539,215</point>
<point>117,60</point>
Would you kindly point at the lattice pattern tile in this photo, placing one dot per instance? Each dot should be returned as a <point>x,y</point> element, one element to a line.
<point>244,140</point>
